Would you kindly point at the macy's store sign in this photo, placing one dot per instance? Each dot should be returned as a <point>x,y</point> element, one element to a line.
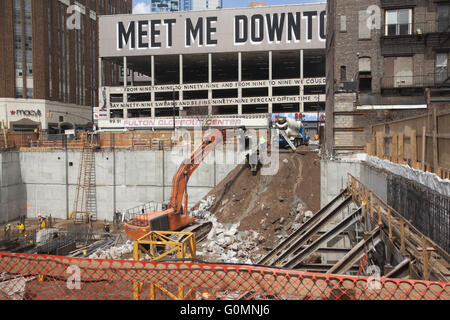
<point>26,113</point>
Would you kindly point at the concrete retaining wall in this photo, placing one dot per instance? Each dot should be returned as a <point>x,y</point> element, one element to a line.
<point>47,181</point>
<point>334,178</point>
<point>12,189</point>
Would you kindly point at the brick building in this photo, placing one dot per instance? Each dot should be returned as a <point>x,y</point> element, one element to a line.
<point>386,60</point>
<point>49,54</point>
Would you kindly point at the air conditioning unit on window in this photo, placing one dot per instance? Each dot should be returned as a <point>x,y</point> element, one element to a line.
<point>348,86</point>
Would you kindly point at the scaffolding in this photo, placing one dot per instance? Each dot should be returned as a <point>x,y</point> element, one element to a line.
<point>163,244</point>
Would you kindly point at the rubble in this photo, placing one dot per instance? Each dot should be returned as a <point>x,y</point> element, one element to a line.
<point>113,252</point>
<point>202,211</point>
<point>227,244</point>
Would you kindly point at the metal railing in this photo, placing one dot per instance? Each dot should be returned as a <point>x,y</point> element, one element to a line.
<point>130,214</point>
<point>417,81</point>
<point>417,28</point>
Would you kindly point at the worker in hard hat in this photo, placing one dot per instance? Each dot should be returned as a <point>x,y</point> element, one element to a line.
<point>7,231</point>
<point>20,227</point>
<point>262,143</point>
<point>70,215</point>
<point>43,223</point>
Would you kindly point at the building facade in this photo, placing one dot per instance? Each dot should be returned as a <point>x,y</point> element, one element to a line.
<point>213,66</point>
<point>386,60</point>
<point>50,79</point>
<point>167,5</point>
<point>184,5</point>
<point>205,4</point>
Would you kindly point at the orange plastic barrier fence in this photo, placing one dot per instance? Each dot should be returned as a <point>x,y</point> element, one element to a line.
<point>41,277</point>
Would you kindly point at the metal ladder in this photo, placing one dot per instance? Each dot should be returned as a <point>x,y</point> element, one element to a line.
<point>86,195</point>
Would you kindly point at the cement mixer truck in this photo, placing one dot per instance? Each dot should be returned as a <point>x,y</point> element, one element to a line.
<point>291,131</point>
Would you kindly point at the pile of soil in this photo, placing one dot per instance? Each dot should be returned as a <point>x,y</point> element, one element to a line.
<point>268,204</point>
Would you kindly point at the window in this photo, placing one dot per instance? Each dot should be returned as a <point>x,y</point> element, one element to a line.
<point>364,32</point>
<point>18,48</point>
<point>398,72</point>
<point>343,24</point>
<point>441,67</point>
<point>443,17</point>
<point>343,73</point>
<point>399,22</point>
<point>365,74</point>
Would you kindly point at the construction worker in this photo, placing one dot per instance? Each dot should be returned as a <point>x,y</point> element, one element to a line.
<point>43,223</point>
<point>90,218</point>
<point>7,231</point>
<point>107,227</point>
<point>262,143</point>
<point>70,215</point>
<point>20,227</point>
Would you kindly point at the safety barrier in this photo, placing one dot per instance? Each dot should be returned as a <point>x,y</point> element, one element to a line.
<point>42,277</point>
<point>431,259</point>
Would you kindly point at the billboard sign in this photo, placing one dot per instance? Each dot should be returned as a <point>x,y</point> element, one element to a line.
<point>244,29</point>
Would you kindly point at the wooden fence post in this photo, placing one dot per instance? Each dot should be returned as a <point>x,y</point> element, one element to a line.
<point>401,153</point>
<point>435,153</point>
<point>394,153</point>
<point>424,143</point>
<point>369,149</point>
<point>380,145</point>
<point>414,149</point>
<point>425,259</point>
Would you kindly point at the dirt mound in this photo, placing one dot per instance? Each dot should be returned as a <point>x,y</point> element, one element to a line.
<point>269,204</point>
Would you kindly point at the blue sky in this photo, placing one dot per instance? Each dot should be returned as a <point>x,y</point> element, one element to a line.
<point>142,6</point>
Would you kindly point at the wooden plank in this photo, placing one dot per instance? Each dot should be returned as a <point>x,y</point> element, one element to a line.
<point>435,153</point>
<point>394,153</point>
<point>380,221</point>
<point>424,141</point>
<point>374,145</point>
<point>380,140</point>
<point>369,148</point>
<point>401,154</point>
<point>425,259</point>
<point>390,223</point>
<point>413,148</point>
<point>402,237</point>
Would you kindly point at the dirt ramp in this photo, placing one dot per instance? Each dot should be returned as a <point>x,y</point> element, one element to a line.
<point>269,204</point>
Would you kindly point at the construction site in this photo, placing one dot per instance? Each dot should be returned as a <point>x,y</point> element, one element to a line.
<point>211,171</point>
<point>317,229</point>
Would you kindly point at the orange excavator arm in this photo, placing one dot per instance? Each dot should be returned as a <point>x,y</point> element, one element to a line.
<point>187,168</point>
<point>172,218</point>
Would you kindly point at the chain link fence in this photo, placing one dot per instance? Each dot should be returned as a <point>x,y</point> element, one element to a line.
<point>41,277</point>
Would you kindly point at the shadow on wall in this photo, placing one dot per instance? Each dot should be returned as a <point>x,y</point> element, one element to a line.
<point>12,189</point>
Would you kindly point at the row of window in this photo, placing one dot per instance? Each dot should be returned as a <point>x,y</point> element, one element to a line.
<point>400,22</point>
<point>403,76</point>
<point>22,11</point>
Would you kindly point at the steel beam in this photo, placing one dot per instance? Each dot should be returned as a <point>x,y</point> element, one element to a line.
<point>342,226</point>
<point>400,270</point>
<point>320,267</point>
<point>272,256</point>
<point>313,230</point>
<point>357,253</point>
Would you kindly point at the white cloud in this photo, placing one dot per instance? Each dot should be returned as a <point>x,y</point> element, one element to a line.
<point>142,7</point>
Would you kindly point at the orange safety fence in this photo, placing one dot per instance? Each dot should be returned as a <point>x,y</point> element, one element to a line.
<point>43,277</point>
